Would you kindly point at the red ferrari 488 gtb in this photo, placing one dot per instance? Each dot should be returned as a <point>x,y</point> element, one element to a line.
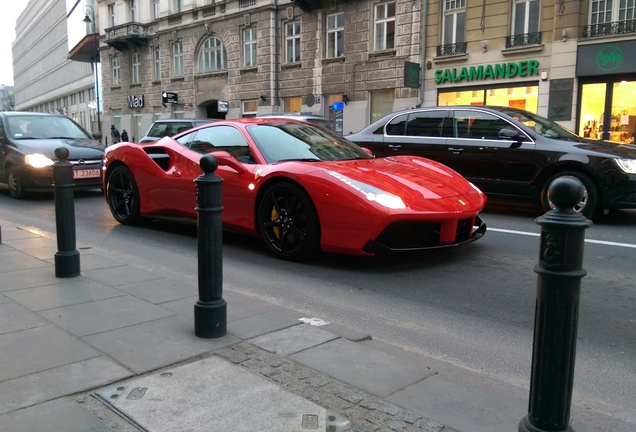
<point>300,187</point>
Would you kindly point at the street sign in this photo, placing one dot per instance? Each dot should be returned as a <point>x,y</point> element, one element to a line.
<point>223,106</point>
<point>168,97</point>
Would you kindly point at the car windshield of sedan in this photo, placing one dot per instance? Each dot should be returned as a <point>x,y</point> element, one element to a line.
<point>542,125</point>
<point>43,127</point>
<point>284,141</point>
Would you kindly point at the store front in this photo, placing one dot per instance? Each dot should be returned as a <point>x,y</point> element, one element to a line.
<point>480,89</point>
<point>607,91</point>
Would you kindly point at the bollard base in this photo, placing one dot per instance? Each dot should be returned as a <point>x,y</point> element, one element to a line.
<point>210,319</point>
<point>525,426</point>
<point>67,264</point>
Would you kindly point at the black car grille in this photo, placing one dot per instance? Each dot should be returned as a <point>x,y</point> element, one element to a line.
<point>80,163</point>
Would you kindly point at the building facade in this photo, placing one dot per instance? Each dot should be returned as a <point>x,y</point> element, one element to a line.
<point>45,77</point>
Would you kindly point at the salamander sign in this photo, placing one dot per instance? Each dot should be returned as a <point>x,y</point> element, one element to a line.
<point>491,71</point>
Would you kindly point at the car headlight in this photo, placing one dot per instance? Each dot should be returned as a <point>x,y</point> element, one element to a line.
<point>372,193</point>
<point>37,160</point>
<point>627,165</point>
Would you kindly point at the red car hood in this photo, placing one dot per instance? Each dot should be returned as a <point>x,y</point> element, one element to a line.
<point>404,176</point>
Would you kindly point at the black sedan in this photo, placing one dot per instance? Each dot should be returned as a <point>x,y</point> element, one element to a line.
<point>509,153</point>
<point>27,152</point>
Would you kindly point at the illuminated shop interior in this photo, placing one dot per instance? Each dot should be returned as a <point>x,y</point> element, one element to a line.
<point>526,97</point>
<point>622,119</point>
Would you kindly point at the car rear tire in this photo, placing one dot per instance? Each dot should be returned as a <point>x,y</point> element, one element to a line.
<point>288,222</point>
<point>14,180</point>
<point>123,196</point>
<point>589,205</point>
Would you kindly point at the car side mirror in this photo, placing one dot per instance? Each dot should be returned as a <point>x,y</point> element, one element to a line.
<point>509,133</point>
<point>227,159</point>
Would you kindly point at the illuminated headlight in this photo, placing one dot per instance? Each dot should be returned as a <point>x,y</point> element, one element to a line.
<point>627,165</point>
<point>371,193</point>
<point>37,160</point>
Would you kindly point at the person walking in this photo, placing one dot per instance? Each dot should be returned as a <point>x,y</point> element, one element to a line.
<point>114,133</point>
<point>124,135</point>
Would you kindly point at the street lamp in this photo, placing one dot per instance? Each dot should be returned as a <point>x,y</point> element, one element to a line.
<point>89,17</point>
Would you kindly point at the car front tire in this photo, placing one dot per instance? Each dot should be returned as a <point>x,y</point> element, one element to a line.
<point>288,222</point>
<point>14,180</point>
<point>590,202</point>
<point>123,196</point>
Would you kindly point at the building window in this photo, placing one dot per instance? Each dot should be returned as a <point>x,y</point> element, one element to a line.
<point>382,102</point>
<point>156,113</point>
<point>606,17</point>
<point>155,9</point>
<point>249,47</point>
<point>292,42</point>
<point>177,6</point>
<point>115,66</point>
<point>212,56</point>
<point>156,59</point>
<point>454,27</point>
<point>335,35</point>
<point>525,16</point>
<point>135,61</point>
<point>384,25</point>
<point>177,59</point>
<point>133,10</point>
<point>250,108</point>
<point>292,104</point>
<point>112,17</point>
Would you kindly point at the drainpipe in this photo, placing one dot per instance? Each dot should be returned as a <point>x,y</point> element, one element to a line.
<point>276,84</point>
<point>423,42</point>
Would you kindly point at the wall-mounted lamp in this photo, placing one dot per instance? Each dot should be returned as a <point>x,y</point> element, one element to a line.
<point>207,28</point>
<point>484,46</point>
<point>345,98</point>
<point>564,34</point>
<point>544,75</point>
<point>263,98</point>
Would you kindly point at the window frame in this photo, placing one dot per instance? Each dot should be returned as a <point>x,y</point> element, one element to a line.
<point>382,24</point>
<point>212,56</point>
<point>292,42</point>
<point>456,11</point>
<point>249,47</point>
<point>528,26</point>
<point>112,14</point>
<point>177,59</point>
<point>116,71</point>
<point>135,68</point>
<point>334,38</point>
<point>156,61</point>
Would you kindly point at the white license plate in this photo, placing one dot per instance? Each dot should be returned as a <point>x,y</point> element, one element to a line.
<point>86,173</point>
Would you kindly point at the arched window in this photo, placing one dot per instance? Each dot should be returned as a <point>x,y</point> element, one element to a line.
<point>212,56</point>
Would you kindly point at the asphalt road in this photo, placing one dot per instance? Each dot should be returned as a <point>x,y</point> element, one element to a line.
<point>472,306</point>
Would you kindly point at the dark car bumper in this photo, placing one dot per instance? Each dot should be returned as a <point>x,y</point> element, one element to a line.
<point>404,237</point>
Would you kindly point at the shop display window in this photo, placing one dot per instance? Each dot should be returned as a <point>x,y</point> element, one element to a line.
<point>621,124</point>
<point>525,97</point>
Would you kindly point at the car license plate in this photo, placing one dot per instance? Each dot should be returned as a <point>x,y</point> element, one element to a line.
<point>86,173</point>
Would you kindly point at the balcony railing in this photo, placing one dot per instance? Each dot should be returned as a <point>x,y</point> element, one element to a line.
<point>451,49</point>
<point>522,40</point>
<point>610,28</point>
<point>126,35</point>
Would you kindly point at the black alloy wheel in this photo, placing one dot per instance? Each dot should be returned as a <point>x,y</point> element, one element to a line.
<point>288,222</point>
<point>14,180</point>
<point>123,196</point>
<point>589,204</point>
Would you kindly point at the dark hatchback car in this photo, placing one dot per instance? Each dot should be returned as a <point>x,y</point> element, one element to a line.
<point>170,127</point>
<point>509,153</point>
<point>27,152</point>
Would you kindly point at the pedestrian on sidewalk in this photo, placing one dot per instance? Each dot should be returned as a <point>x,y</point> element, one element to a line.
<point>114,133</point>
<point>124,135</point>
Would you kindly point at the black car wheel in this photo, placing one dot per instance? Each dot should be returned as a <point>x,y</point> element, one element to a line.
<point>589,204</point>
<point>123,196</point>
<point>288,222</point>
<point>14,179</point>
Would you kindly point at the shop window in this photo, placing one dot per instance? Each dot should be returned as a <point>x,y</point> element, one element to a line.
<point>384,26</point>
<point>292,104</point>
<point>526,97</point>
<point>250,108</point>
<point>621,120</point>
<point>454,27</point>
<point>382,102</point>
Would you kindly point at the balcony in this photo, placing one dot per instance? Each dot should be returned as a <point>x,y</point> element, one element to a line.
<point>451,49</point>
<point>308,5</point>
<point>523,40</point>
<point>609,29</point>
<point>126,36</point>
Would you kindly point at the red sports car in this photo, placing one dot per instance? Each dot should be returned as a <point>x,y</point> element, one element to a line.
<point>300,187</point>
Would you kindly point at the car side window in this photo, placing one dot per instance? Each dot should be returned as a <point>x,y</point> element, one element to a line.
<point>478,125</point>
<point>222,138</point>
<point>426,123</point>
<point>397,126</point>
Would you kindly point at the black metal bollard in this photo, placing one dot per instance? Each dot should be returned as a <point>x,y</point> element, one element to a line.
<point>67,258</point>
<point>557,310</point>
<point>210,311</point>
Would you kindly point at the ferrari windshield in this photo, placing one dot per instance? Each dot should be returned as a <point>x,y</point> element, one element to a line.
<point>541,125</point>
<point>283,141</point>
<point>44,127</point>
